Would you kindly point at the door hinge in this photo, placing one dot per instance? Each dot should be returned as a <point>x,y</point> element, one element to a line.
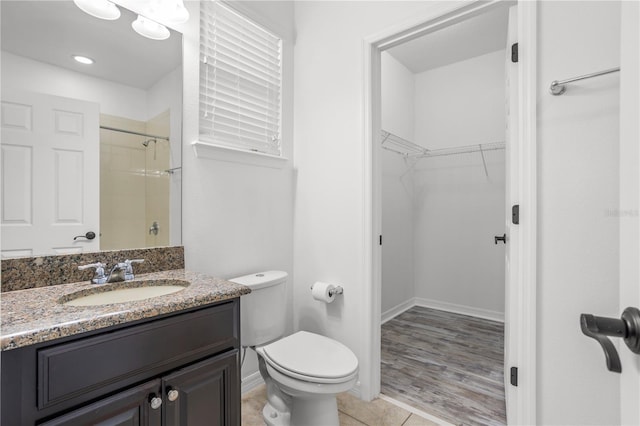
<point>514,376</point>
<point>514,52</point>
<point>515,214</point>
<point>380,239</point>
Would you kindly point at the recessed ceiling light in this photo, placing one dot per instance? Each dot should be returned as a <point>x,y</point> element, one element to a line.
<point>83,59</point>
<point>103,9</point>
<point>150,29</point>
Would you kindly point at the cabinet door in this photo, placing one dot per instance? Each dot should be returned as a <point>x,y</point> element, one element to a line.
<point>128,408</point>
<point>204,394</point>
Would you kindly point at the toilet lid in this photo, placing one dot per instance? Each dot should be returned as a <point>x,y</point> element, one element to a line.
<point>312,355</point>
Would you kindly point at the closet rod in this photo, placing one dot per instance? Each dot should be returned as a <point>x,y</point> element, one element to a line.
<point>131,132</point>
<point>558,86</point>
<point>482,148</point>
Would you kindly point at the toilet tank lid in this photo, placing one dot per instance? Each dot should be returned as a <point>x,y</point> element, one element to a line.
<point>261,279</point>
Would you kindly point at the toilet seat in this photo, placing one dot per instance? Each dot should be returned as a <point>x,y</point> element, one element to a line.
<point>311,358</point>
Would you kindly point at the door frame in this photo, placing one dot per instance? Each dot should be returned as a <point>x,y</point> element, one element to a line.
<point>521,400</point>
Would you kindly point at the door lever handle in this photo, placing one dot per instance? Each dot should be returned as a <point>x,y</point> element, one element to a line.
<point>627,328</point>
<point>89,236</point>
<point>502,238</point>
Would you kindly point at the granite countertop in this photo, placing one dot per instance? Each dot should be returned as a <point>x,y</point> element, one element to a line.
<point>35,315</point>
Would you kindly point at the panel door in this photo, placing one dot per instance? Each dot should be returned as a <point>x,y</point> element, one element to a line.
<point>50,174</point>
<point>204,394</point>
<point>129,408</point>
<point>630,202</point>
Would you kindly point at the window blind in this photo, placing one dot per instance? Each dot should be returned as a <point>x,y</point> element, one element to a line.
<point>240,81</point>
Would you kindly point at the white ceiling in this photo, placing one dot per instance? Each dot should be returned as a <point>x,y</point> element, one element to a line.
<point>52,31</point>
<point>482,34</point>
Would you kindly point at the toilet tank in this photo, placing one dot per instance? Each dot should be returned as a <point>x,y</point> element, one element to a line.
<point>263,311</point>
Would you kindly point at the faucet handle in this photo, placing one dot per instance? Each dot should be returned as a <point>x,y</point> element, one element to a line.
<point>128,271</point>
<point>91,265</point>
<point>99,277</point>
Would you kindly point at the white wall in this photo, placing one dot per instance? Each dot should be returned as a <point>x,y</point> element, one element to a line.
<point>22,73</point>
<point>237,218</point>
<point>329,156</point>
<point>577,187</point>
<point>398,90</point>
<point>577,183</point>
<point>461,103</point>
<point>458,209</point>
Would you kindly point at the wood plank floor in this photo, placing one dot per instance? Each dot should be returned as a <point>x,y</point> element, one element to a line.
<point>446,364</point>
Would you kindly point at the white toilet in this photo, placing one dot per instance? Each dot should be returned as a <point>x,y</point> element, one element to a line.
<point>304,371</point>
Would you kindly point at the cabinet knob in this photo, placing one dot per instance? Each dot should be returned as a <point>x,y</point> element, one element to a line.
<point>155,401</point>
<point>173,394</point>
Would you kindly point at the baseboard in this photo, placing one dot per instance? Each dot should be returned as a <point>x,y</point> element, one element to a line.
<point>253,380</point>
<point>356,390</point>
<point>397,310</point>
<point>459,309</point>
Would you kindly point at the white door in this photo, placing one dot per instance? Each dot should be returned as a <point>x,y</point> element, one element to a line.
<point>630,202</point>
<point>50,174</point>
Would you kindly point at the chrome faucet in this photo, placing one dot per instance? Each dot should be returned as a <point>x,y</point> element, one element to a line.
<point>122,271</point>
<point>117,273</point>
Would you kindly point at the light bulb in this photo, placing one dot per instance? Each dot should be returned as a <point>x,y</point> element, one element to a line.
<point>83,59</point>
<point>103,9</point>
<point>150,29</point>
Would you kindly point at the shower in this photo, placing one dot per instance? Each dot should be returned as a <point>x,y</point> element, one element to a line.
<point>155,145</point>
<point>139,161</point>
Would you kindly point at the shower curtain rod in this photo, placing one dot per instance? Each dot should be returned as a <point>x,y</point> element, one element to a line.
<point>131,132</point>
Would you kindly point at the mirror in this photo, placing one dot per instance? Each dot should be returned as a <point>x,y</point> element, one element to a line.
<point>88,150</point>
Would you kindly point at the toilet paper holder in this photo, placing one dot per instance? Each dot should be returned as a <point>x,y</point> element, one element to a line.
<point>336,290</point>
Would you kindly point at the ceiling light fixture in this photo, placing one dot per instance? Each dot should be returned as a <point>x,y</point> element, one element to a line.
<point>103,9</point>
<point>83,59</point>
<point>150,29</point>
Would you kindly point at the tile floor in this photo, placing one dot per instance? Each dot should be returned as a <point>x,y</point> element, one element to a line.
<point>352,411</point>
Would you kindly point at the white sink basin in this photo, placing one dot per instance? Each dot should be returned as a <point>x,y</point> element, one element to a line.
<point>138,290</point>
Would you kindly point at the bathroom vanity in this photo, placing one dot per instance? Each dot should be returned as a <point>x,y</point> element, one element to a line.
<point>169,360</point>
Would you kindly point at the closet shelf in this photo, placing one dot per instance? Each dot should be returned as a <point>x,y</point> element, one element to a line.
<point>401,146</point>
<point>482,147</point>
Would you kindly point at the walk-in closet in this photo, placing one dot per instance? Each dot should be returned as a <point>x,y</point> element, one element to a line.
<point>445,121</point>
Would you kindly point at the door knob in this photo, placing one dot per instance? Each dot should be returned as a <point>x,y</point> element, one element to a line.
<point>89,236</point>
<point>627,328</point>
<point>502,238</point>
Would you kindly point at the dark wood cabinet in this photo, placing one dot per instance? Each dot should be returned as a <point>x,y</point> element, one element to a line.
<point>204,393</point>
<point>188,361</point>
<point>128,408</point>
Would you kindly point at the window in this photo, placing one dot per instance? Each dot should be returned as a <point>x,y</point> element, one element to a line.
<point>240,81</point>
